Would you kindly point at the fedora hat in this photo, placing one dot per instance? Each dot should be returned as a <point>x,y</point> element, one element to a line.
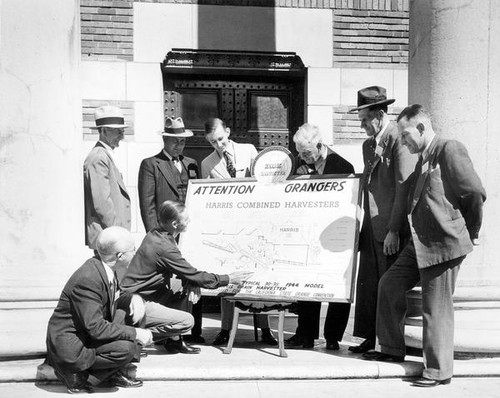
<point>371,96</point>
<point>174,127</point>
<point>109,116</point>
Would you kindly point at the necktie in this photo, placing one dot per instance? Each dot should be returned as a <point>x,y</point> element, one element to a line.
<point>372,144</point>
<point>229,164</point>
<point>312,169</point>
<point>419,181</point>
<point>112,288</point>
<point>177,164</point>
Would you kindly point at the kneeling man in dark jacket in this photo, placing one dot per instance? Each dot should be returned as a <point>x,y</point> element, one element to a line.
<point>89,337</point>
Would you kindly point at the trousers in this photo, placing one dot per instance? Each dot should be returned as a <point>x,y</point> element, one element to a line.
<point>308,320</point>
<point>227,313</point>
<point>438,285</point>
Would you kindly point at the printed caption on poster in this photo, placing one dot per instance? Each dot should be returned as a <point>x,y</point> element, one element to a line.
<point>298,237</point>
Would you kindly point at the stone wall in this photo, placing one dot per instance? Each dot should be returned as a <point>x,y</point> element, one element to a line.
<point>345,45</point>
<point>107,29</point>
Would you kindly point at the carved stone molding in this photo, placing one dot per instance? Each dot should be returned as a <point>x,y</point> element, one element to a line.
<point>218,61</point>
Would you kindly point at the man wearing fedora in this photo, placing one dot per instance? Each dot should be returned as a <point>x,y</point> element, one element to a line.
<point>165,176</point>
<point>385,228</point>
<point>107,202</point>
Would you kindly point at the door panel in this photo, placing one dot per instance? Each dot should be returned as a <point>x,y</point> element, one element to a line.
<point>262,113</point>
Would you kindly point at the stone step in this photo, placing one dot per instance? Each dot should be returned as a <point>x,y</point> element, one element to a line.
<point>23,327</point>
<point>477,327</point>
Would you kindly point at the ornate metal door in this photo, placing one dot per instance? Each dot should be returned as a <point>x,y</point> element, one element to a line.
<point>261,112</point>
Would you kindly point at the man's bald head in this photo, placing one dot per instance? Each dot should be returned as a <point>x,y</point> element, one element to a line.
<point>114,240</point>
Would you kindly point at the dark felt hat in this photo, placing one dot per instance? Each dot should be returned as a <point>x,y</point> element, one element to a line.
<point>371,96</point>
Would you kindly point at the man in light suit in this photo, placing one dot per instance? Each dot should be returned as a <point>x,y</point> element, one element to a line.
<point>90,337</point>
<point>165,176</point>
<point>107,202</point>
<point>445,205</point>
<point>230,160</point>
<point>385,228</point>
<point>315,158</point>
<point>226,153</point>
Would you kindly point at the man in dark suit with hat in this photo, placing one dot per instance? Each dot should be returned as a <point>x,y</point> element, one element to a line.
<point>164,177</point>
<point>445,204</point>
<point>91,337</point>
<point>385,228</point>
<point>107,202</point>
<point>315,158</point>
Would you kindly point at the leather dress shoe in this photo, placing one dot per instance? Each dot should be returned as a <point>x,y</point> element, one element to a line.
<point>297,341</point>
<point>137,358</point>
<point>268,338</point>
<point>425,382</point>
<point>179,347</point>
<point>222,338</point>
<point>365,346</point>
<point>193,339</point>
<point>332,345</point>
<point>85,388</point>
<point>119,380</point>
<point>76,383</point>
<point>381,357</point>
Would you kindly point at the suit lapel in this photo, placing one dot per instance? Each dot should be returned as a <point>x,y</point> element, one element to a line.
<point>220,168</point>
<point>119,178</point>
<point>104,277</point>
<point>423,172</point>
<point>381,147</point>
<point>166,167</point>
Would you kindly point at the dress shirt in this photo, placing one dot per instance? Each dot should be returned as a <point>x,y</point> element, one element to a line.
<point>425,152</point>
<point>319,165</point>
<point>109,272</point>
<point>177,162</point>
<point>110,151</point>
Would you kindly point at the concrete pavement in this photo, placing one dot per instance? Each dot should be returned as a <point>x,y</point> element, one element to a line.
<point>251,360</point>
<point>383,388</point>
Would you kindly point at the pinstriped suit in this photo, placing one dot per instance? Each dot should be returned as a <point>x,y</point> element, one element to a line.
<point>107,202</point>
<point>159,180</point>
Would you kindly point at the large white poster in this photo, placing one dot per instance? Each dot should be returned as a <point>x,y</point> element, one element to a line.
<point>299,237</point>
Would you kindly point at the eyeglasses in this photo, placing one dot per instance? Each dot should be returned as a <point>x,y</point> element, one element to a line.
<point>119,255</point>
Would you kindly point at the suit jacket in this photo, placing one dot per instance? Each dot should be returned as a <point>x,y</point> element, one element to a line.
<point>157,176</point>
<point>107,202</point>
<point>335,164</point>
<point>82,320</point>
<point>214,166</point>
<point>156,261</point>
<point>384,187</point>
<point>445,204</point>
